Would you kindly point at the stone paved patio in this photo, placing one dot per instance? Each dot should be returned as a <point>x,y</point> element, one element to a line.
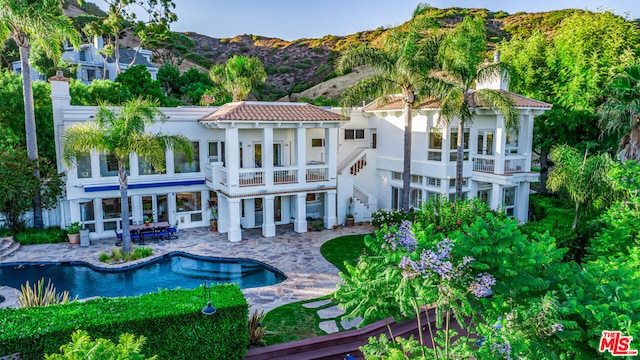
<point>309,275</point>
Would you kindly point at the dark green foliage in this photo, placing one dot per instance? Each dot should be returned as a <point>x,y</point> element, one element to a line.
<point>301,65</point>
<point>270,70</point>
<point>139,82</point>
<point>283,69</point>
<point>319,101</point>
<point>171,321</point>
<point>98,91</point>
<point>300,87</point>
<point>46,236</point>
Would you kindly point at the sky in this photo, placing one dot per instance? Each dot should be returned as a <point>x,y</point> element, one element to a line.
<point>294,19</point>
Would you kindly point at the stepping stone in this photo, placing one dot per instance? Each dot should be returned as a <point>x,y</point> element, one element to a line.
<point>330,312</point>
<point>349,324</point>
<point>329,327</point>
<point>316,304</point>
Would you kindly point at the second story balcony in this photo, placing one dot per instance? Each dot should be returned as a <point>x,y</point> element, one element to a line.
<point>509,164</point>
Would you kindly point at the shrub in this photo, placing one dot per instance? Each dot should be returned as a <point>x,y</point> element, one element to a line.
<point>171,320</point>
<point>46,236</point>
<point>82,347</point>
<point>118,255</point>
<point>40,295</point>
<point>301,66</point>
<point>256,328</point>
<point>283,69</point>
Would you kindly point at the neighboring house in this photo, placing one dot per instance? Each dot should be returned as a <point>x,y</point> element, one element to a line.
<point>266,164</point>
<point>90,64</point>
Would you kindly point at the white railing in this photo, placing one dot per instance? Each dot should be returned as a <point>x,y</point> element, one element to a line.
<point>483,163</point>
<point>351,159</point>
<point>250,177</point>
<point>221,175</point>
<point>285,175</point>
<point>317,173</point>
<point>515,164</point>
<point>360,194</point>
<point>358,165</point>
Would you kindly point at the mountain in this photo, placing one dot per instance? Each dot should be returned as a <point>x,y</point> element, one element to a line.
<point>305,67</point>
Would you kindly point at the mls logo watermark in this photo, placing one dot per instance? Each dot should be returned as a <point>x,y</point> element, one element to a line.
<point>617,344</point>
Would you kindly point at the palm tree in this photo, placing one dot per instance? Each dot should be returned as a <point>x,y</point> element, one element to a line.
<point>462,54</point>
<point>621,111</point>
<point>43,25</point>
<point>120,132</point>
<point>402,65</point>
<point>239,75</point>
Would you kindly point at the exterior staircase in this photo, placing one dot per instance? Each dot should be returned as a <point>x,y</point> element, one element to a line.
<point>8,247</point>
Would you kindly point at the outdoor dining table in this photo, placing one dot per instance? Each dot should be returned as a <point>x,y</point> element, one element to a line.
<point>158,225</point>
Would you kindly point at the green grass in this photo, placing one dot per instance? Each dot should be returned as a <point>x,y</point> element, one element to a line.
<point>293,321</point>
<point>345,248</point>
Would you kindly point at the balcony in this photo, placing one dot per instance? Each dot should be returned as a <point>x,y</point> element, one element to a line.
<point>257,179</point>
<point>512,164</point>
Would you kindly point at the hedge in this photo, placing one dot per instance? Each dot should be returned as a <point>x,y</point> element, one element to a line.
<point>171,320</point>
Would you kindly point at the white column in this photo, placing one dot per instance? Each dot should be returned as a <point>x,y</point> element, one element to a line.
<point>522,202</point>
<point>300,226</point>
<point>301,155</point>
<point>223,214</point>
<point>496,197</point>
<point>526,133</point>
<point>233,156</point>
<point>501,143</point>
<point>329,209</point>
<point>268,224</point>
<point>331,150</point>
<point>267,155</point>
<point>235,233</point>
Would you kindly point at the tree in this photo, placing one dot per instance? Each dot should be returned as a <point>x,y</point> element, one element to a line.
<point>402,65</point>
<point>120,132</point>
<point>121,19</point>
<point>620,113</point>
<point>239,75</point>
<point>43,25</point>
<point>462,54</point>
<point>582,177</point>
<point>139,82</point>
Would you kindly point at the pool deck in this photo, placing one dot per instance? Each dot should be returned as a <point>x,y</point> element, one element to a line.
<point>309,275</point>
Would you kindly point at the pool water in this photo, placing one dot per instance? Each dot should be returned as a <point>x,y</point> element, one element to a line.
<point>176,270</point>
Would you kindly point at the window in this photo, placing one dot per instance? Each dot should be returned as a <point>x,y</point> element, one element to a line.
<point>83,166</point>
<point>416,179</point>
<point>111,213</point>
<point>82,55</point>
<point>415,197</point>
<point>509,200</point>
<point>453,196</point>
<point>431,181</point>
<point>109,165</point>
<point>453,154</point>
<point>182,165</point>
<point>216,151</point>
<point>87,215</point>
<point>317,142</point>
<point>313,197</point>
<point>396,198</point>
<point>189,203</point>
<point>145,167</point>
<point>396,175</point>
<point>353,134</point>
<point>435,145</point>
<point>452,182</point>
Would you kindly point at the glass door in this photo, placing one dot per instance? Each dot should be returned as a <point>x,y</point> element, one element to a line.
<point>155,207</point>
<point>485,142</point>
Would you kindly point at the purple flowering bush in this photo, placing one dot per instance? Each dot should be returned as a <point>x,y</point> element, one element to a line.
<point>472,274</point>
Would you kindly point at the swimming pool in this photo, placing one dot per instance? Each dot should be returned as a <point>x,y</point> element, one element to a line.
<point>171,271</point>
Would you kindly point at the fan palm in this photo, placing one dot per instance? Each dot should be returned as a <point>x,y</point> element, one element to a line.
<point>402,65</point>
<point>462,54</point>
<point>621,111</point>
<point>239,75</point>
<point>40,24</point>
<point>120,132</point>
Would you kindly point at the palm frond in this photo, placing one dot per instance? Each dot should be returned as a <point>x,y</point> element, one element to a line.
<point>363,55</point>
<point>502,102</point>
<point>367,89</point>
<point>81,139</point>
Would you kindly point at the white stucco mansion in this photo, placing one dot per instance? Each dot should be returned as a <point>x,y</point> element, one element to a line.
<point>265,164</point>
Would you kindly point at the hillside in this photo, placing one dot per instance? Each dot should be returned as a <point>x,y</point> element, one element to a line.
<point>305,67</point>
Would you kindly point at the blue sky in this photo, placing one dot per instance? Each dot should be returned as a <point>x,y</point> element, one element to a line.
<point>293,19</point>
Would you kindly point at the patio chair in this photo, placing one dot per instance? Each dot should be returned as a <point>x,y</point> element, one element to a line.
<point>173,231</point>
<point>161,233</point>
<point>135,235</point>
<point>146,234</point>
<point>119,238</point>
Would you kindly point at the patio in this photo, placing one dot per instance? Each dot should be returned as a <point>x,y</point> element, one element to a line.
<point>309,275</point>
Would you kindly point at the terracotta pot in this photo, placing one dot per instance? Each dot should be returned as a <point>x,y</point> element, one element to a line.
<point>214,225</point>
<point>350,221</point>
<point>74,238</point>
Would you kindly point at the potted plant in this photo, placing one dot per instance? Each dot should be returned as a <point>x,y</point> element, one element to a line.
<point>73,232</point>
<point>214,219</point>
<point>147,221</point>
<point>350,204</point>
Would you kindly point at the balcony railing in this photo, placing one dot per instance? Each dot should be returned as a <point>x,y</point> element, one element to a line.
<point>250,177</point>
<point>317,173</point>
<point>515,164</point>
<point>483,163</point>
<point>285,175</point>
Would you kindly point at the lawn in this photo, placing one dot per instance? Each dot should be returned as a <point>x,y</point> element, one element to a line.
<point>295,322</point>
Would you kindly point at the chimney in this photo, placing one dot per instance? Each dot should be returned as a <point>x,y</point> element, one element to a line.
<point>496,56</point>
<point>98,42</point>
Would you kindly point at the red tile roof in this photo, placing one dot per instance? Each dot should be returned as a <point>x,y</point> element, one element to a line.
<point>394,102</point>
<point>271,111</point>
